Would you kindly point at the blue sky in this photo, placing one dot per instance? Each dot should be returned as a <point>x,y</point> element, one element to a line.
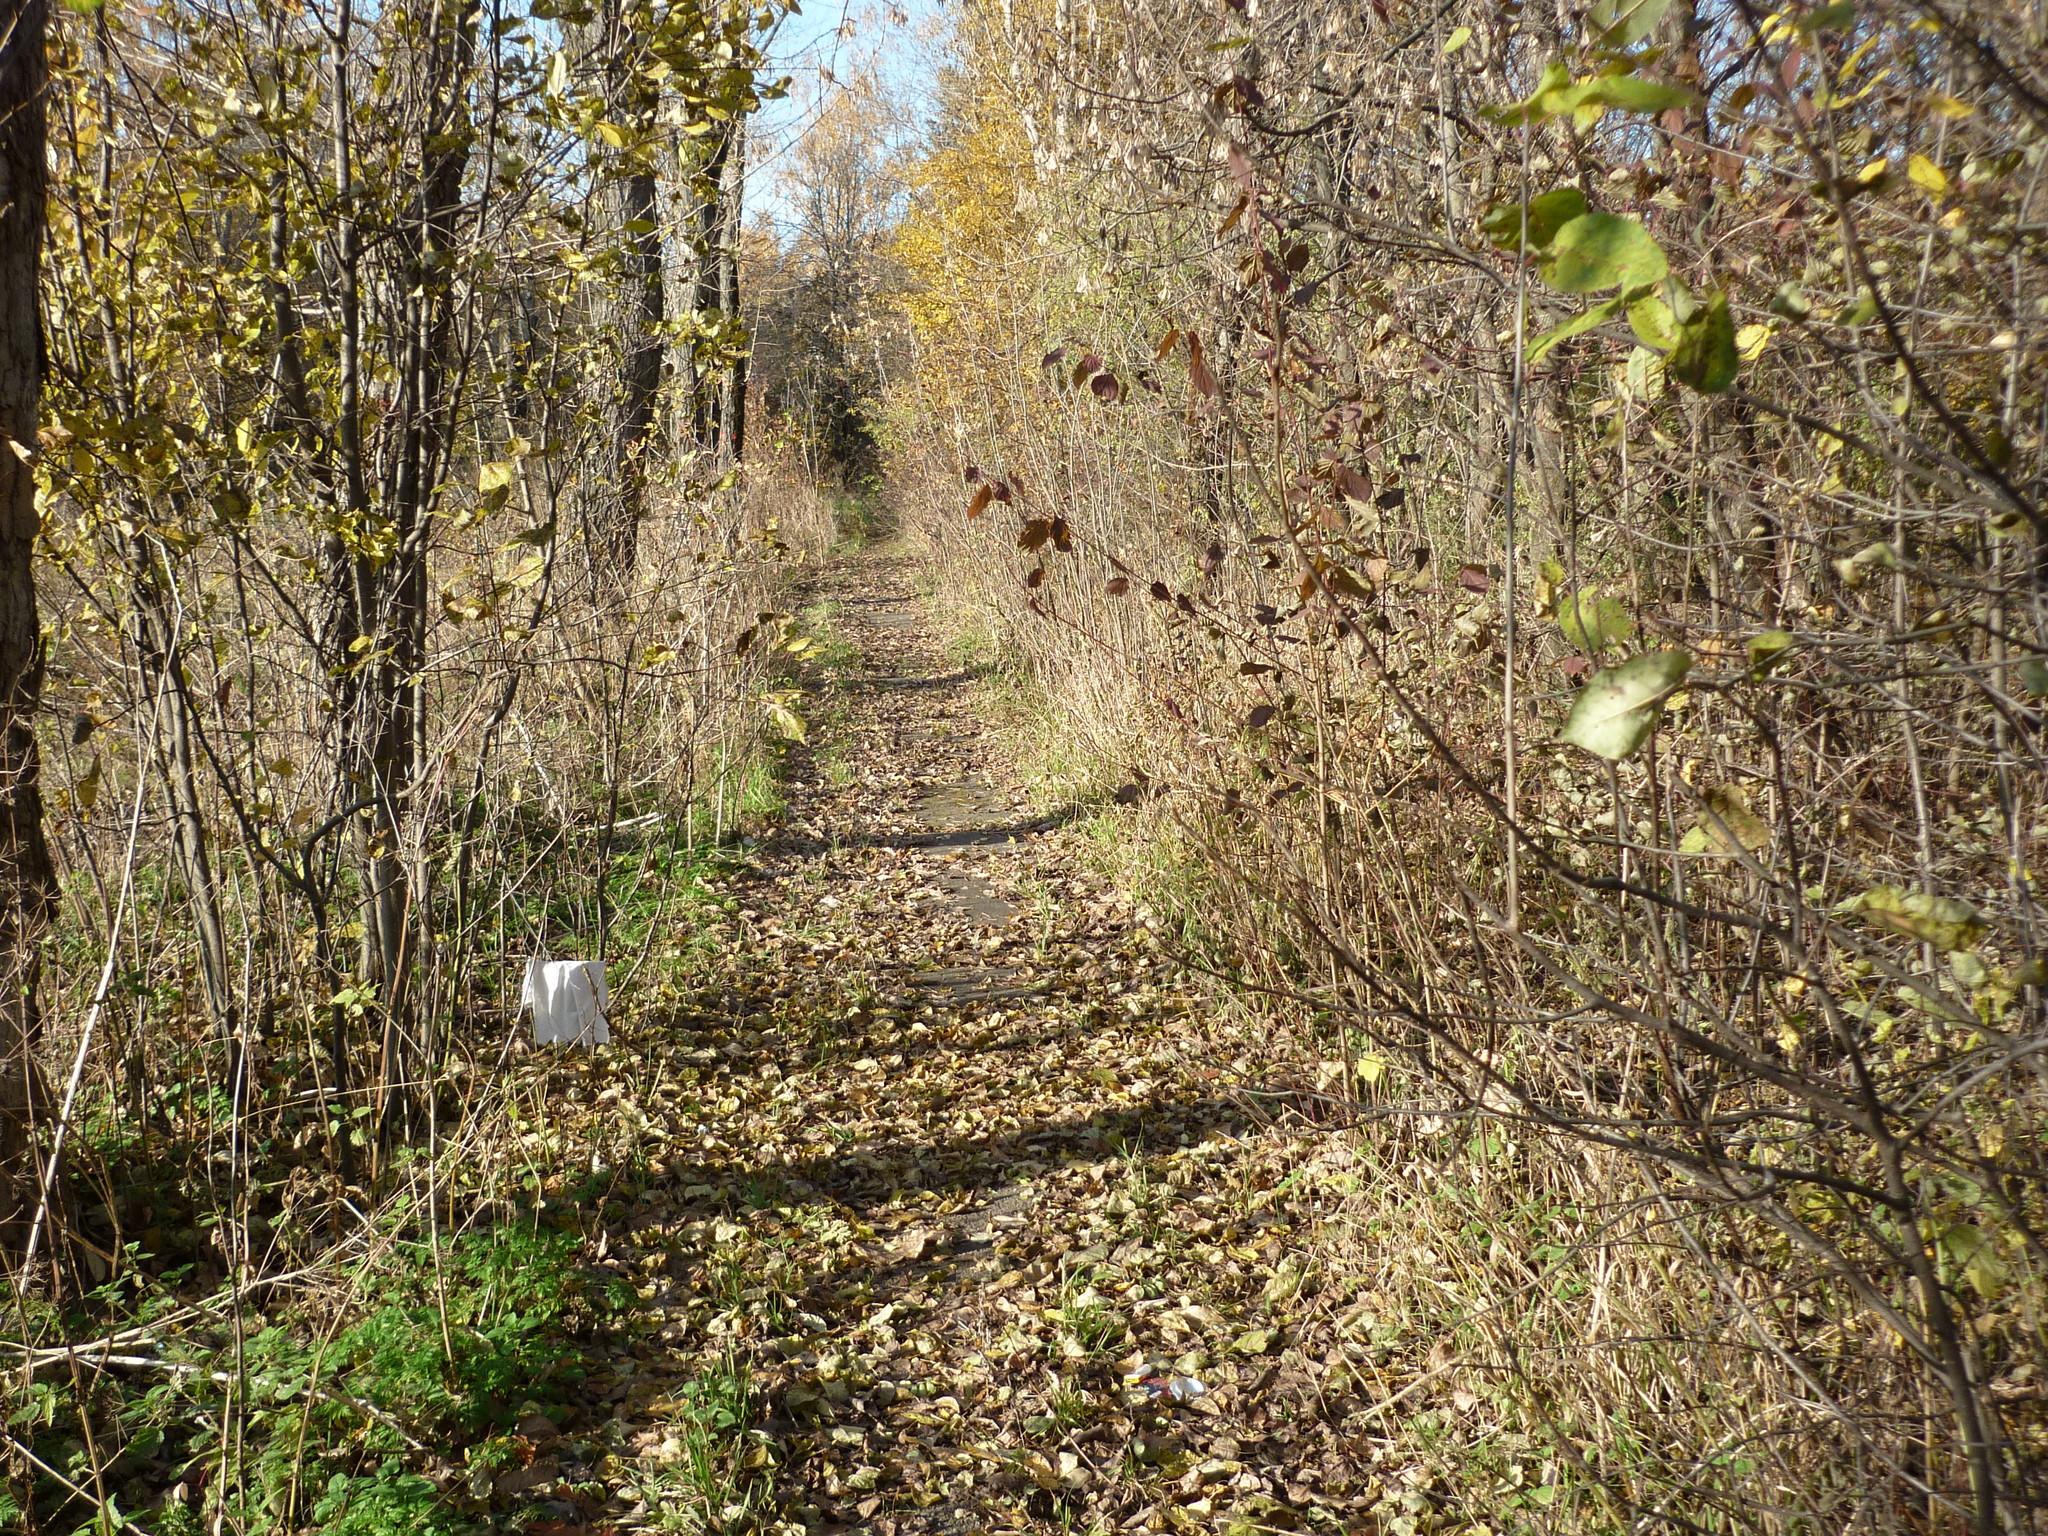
<point>830,41</point>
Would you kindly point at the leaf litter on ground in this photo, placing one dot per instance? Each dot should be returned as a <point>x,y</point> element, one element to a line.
<point>943,1214</point>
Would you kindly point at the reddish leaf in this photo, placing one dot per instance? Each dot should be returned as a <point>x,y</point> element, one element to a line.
<point>1160,593</point>
<point>1260,718</point>
<point>1117,586</point>
<point>1055,356</point>
<point>1350,483</point>
<point>1198,371</point>
<point>1240,165</point>
<point>1036,578</point>
<point>1062,535</point>
<point>1575,666</point>
<point>1130,794</point>
<point>1341,580</point>
<point>1255,669</point>
<point>1212,559</point>
<point>972,474</point>
<point>981,500</point>
<point>1107,387</point>
<point>1388,500</point>
<point>1002,490</point>
<point>1473,578</point>
<point>1166,344</point>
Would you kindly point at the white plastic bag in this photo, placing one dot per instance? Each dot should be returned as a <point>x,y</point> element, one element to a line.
<point>568,1001</point>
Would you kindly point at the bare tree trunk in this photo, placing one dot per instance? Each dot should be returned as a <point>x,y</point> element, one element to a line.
<point>345,622</point>
<point>732,392</point>
<point>397,905</point>
<point>635,321</point>
<point>705,237</point>
<point>629,316</point>
<point>679,290</point>
<point>159,637</point>
<point>27,881</point>
<point>161,648</point>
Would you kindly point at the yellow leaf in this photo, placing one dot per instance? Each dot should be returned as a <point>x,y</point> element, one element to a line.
<point>1750,342</point>
<point>88,790</point>
<point>612,134</point>
<point>1927,175</point>
<point>1947,105</point>
<point>1458,39</point>
<point>1873,170</point>
<point>494,476</point>
<point>786,721</point>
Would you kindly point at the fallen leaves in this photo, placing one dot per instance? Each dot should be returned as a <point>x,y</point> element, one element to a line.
<point>941,1172</point>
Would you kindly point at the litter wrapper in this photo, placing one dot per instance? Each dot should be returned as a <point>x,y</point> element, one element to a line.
<point>1160,1387</point>
<point>568,1001</point>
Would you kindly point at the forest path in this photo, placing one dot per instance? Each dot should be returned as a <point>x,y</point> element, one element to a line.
<point>944,1211</point>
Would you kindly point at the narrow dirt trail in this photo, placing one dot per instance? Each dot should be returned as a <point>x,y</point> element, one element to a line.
<point>940,1206</point>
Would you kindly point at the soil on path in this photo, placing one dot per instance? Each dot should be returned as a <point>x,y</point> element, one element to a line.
<point>942,1203</point>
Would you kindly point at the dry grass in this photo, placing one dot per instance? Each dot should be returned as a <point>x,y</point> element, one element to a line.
<point>1717,1176</point>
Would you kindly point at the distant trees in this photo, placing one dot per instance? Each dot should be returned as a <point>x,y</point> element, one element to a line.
<point>671,110</point>
<point>817,294</point>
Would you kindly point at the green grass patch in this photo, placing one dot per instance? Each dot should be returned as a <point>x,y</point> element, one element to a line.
<point>431,1348</point>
